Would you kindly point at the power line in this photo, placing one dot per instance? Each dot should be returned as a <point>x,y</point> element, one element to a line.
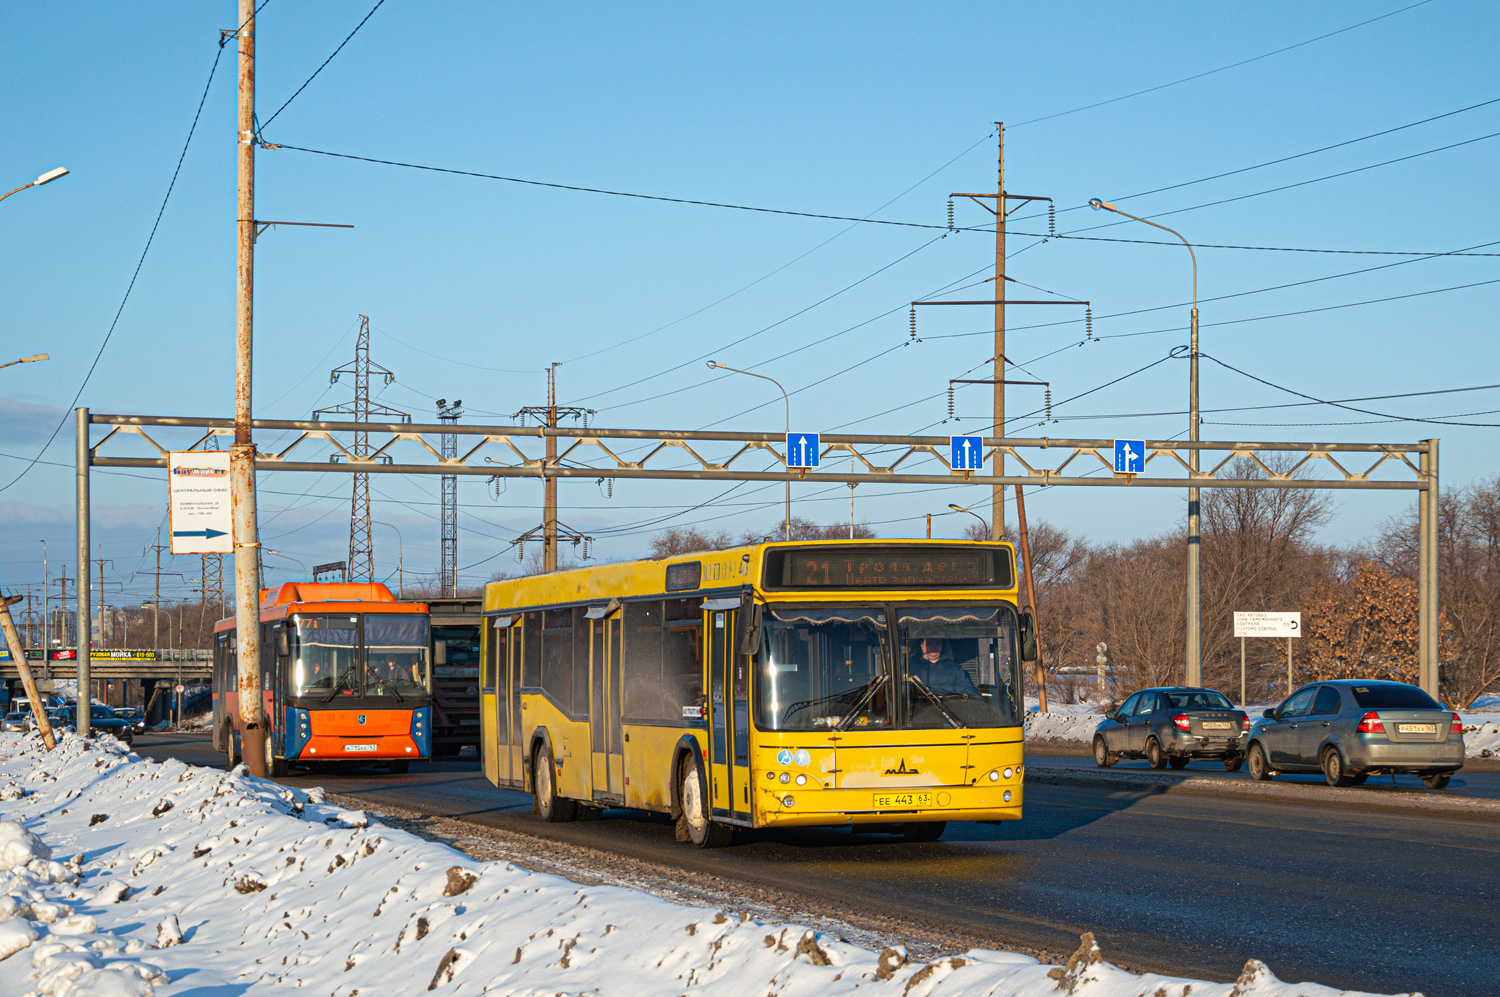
<point>261,128</point>
<point>138,264</point>
<point>1221,69</point>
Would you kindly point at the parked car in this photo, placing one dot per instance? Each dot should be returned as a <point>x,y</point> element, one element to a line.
<point>133,716</point>
<point>1172,726</point>
<point>102,720</point>
<point>1351,729</point>
<point>14,721</point>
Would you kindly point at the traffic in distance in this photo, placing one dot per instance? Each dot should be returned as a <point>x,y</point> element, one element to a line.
<point>854,683</point>
<point>1348,729</point>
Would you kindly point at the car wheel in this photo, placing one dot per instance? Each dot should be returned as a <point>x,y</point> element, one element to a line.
<point>1334,770</point>
<point>1437,780</point>
<point>1177,763</point>
<point>695,824</point>
<point>553,808</point>
<point>1154,757</point>
<point>1233,763</point>
<point>1260,770</point>
<point>1103,757</point>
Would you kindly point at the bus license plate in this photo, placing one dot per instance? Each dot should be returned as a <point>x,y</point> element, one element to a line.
<point>359,747</point>
<point>902,801</point>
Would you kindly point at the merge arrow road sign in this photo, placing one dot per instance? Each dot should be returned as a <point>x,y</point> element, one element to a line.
<point>198,491</point>
<point>966,453</point>
<point>802,449</point>
<point>1130,456</point>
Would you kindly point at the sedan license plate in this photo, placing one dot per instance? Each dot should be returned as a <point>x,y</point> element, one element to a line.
<point>1416,728</point>
<point>359,747</point>
<point>902,801</point>
<point>1217,725</point>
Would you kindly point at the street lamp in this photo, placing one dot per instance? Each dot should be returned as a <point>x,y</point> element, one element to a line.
<point>1194,669</point>
<point>40,181</point>
<point>400,555</point>
<point>982,521</point>
<point>289,558</point>
<point>30,359</point>
<point>715,365</point>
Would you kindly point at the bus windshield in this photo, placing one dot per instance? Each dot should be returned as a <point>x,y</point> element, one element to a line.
<point>327,662</point>
<point>843,669</point>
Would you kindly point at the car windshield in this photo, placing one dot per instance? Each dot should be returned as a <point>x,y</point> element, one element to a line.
<point>101,713</point>
<point>1196,699</point>
<point>842,669</point>
<point>1394,697</point>
<point>395,654</point>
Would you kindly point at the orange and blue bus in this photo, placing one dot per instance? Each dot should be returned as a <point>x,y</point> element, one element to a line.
<point>346,675</point>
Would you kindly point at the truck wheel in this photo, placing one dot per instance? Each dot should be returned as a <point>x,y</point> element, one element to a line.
<point>1334,771</point>
<point>1260,770</point>
<point>696,823</point>
<point>553,808</point>
<point>1154,757</point>
<point>1103,757</point>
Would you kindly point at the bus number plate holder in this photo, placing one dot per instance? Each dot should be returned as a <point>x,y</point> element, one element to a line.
<point>902,801</point>
<point>359,747</point>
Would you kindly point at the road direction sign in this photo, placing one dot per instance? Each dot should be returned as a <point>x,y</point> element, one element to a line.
<point>1130,456</point>
<point>1268,624</point>
<point>966,453</point>
<point>198,488</point>
<point>802,449</point>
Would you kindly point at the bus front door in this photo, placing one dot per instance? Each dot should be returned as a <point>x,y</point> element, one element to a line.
<point>607,760</point>
<point>729,734</point>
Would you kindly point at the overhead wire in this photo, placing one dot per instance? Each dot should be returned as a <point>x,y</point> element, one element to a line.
<point>260,129</point>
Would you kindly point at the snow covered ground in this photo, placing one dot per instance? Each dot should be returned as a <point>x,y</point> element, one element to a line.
<point>1076,722</point>
<point>122,877</point>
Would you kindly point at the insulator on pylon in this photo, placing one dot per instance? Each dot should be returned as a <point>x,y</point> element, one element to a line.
<point>1088,322</point>
<point>950,214</point>
<point>1047,402</point>
<point>950,403</point>
<point>586,542</point>
<point>913,321</point>
<point>1051,218</point>
<point>521,551</point>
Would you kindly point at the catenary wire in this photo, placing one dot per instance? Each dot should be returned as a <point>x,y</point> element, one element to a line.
<point>262,127</point>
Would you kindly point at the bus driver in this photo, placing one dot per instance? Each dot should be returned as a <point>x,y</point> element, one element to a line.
<point>938,671</point>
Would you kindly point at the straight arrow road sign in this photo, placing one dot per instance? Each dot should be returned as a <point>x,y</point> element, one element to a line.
<point>966,453</point>
<point>1130,456</point>
<point>802,449</point>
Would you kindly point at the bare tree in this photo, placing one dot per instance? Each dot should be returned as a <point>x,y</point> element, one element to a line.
<point>686,540</point>
<point>806,529</point>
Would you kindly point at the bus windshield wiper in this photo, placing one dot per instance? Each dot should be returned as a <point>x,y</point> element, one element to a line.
<point>391,688</point>
<point>864,698</point>
<point>335,690</point>
<point>936,701</point>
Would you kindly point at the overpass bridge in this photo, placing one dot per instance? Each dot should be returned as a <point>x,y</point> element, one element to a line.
<point>107,664</point>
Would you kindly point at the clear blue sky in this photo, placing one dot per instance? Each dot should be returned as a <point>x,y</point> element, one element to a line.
<point>474,286</point>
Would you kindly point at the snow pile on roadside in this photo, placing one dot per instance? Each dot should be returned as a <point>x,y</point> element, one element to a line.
<point>1063,724</point>
<point>193,880</point>
<point>1481,735</point>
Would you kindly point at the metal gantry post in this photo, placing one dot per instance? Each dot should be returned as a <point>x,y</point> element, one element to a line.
<point>1194,666</point>
<point>81,458</point>
<point>1428,511</point>
<point>242,453</point>
<point>997,493</point>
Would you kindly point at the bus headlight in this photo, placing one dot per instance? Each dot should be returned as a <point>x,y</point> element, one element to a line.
<point>1006,796</point>
<point>786,777</point>
<point>1009,773</point>
<point>802,780</point>
<point>787,801</point>
<point>995,775</point>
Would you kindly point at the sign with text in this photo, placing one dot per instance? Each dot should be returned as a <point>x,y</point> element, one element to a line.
<point>1268,624</point>
<point>201,518</point>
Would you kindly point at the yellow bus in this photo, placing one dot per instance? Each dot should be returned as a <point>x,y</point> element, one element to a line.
<point>855,683</point>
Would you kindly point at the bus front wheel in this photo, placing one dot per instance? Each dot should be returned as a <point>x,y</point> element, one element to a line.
<point>553,808</point>
<point>695,824</point>
<point>276,768</point>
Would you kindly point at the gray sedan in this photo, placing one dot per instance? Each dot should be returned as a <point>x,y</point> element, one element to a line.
<point>1352,729</point>
<point>1172,726</point>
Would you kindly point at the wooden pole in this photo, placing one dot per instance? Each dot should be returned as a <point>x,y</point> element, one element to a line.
<point>1041,669</point>
<point>13,641</point>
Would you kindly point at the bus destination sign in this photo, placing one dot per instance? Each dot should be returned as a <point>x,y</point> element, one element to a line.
<point>889,567</point>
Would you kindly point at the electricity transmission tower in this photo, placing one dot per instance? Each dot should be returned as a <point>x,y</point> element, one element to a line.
<point>550,529</point>
<point>361,541</point>
<point>448,576</point>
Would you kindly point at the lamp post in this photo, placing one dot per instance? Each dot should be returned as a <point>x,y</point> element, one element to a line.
<point>1194,670</point>
<point>400,557</point>
<point>31,359</point>
<point>46,605</point>
<point>714,364</point>
<point>276,553</point>
<point>42,180</point>
<point>982,521</point>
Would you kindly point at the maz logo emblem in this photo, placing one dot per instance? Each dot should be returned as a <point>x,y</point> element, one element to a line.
<point>901,770</point>
<point>361,718</point>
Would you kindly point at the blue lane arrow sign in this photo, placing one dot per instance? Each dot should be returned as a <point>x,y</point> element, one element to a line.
<point>802,449</point>
<point>1130,456</point>
<point>966,453</point>
<point>205,534</point>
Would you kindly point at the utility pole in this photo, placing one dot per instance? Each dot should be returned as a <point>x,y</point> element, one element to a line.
<point>156,593</point>
<point>361,539</point>
<point>549,415</point>
<point>62,605</point>
<point>101,561</point>
<point>242,453</point>
<point>449,538</point>
<point>997,492</point>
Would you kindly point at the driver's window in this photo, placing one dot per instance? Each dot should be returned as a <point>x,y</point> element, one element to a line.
<point>1299,704</point>
<point>1130,705</point>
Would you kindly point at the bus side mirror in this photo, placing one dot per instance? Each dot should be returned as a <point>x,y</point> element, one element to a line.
<point>1028,637</point>
<point>440,652</point>
<point>283,644</point>
<point>749,625</point>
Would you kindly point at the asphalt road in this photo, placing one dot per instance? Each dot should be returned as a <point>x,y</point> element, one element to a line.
<point>1467,782</point>
<point>1190,884</point>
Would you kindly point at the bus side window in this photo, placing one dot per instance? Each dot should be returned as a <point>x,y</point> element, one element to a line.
<point>682,658</point>
<point>642,672</point>
<point>557,657</point>
<point>580,663</point>
<point>531,666</point>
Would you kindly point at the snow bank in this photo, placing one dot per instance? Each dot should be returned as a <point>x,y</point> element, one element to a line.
<point>191,880</point>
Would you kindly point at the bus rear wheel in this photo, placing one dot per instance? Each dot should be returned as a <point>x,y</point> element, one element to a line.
<point>232,748</point>
<point>929,830</point>
<point>695,824</point>
<point>553,808</point>
<point>276,768</point>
